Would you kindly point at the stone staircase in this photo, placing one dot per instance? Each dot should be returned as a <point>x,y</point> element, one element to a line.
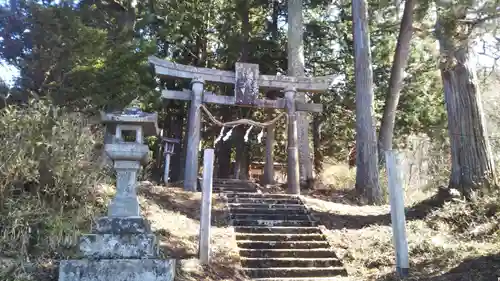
<point>276,236</point>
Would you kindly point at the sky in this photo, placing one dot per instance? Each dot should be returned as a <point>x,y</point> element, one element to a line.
<point>8,73</point>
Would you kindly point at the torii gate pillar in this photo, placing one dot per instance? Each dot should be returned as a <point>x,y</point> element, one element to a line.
<point>194,134</point>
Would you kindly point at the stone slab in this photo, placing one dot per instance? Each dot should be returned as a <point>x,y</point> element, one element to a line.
<point>122,225</point>
<point>149,121</point>
<point>127,151</point>
<point>110,246</point>
<point>117,270</point>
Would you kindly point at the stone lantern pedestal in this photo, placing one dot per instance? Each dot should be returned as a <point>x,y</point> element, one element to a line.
<point>121,246</point>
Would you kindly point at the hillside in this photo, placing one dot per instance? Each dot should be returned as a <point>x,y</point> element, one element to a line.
<point>445,244</point>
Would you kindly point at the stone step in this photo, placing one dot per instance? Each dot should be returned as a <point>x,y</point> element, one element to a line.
<point>337,278</point>
<point>280,237</point>
<point>245,210</point>
<point>277,230</point>
<point>250,189</point>
<point>265,200</point>
<point>280,272</point>
<point>230,180</point>
<point>236,186</point>
<point>288,253</point>
<point>251,216</point>
<point>261,195</point>
<point>244,188</point>
<point>253,205</point>
<point>249,244</point>
<point>290,262</point>
<point>271,223</point>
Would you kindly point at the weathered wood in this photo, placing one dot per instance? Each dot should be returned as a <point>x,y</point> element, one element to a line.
<point>185,94</point>
<point>306,84</point>
<point>246,88</point>
<point>209,97</point>
<point>218,99</point>
<point>194,134</point>
<point>269,161</point>
<point>293,179</point>
<point>206,205</point>
<point>308,107</point>
<point>396,183</point>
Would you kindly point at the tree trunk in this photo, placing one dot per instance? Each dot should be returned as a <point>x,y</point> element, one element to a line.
<point>241,161</point>
<point>472,162</point>
<point>396,81</point>
<point>316,131</point>
<point>296,67</point>
<point>175,170</point>
<point>366,142</point>
<point>184,140</point>
<point>224,147</point>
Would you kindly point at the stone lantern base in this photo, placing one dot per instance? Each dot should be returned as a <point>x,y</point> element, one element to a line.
<point>119,249</point>
<point>122,246</point>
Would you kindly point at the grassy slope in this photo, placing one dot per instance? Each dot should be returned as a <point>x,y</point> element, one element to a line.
<point>457,242</point>
<point>174,215</point>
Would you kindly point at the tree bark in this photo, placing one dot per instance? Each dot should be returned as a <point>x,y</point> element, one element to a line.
<point>366,143</point>
<point>472,162</point>
<point>224,148</point>
<point>296,67</point>
<point>399,64</point>
<point>242,150</point>
<point>316,131</point>
<point>177,134</point>
<point>241,159</point>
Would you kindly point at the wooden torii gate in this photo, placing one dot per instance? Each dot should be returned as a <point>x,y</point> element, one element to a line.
<point>247,83</point>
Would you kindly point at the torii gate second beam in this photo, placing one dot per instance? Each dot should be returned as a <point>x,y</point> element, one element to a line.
<point>247,83</point>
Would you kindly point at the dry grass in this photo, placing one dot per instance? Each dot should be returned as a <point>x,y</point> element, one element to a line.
<point>448,241</point>
<point>175,215</point>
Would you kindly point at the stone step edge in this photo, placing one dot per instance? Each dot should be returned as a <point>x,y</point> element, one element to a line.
<point>283,242</point>
<point>270,205</point>
<point>254,214</point>
<point>280,227</point>
<point>294,268</point>
<point>253,220</point>
<point>291,259</point>
<point>265,194</point>
<point>289,250</point>
<point>269,221</point>
<point>303,279</point>
<point>279,234</point>
<point>256,210</point>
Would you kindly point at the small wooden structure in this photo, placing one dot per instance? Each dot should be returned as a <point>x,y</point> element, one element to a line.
<point>247,81</point>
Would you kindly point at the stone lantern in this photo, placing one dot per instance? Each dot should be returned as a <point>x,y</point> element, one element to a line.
<point>122,246</point>
<point>128,156</point>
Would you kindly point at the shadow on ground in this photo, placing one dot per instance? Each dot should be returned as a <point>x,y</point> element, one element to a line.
<point>187,203</point>
<point>483,268</point>
<point>418,211</point>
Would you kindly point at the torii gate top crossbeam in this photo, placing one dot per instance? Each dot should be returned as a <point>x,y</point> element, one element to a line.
<point>306,84</point>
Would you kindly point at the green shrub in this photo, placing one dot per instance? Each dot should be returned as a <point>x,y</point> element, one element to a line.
<point>49,185</point>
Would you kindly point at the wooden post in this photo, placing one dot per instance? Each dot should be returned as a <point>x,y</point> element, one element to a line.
<point>194,134</point>
<point>396,182</point>
<point>269,164</point>
<point>206,206</point>
<point>293,153</point>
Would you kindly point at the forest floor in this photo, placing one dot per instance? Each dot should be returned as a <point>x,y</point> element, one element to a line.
<point>451,240</point>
